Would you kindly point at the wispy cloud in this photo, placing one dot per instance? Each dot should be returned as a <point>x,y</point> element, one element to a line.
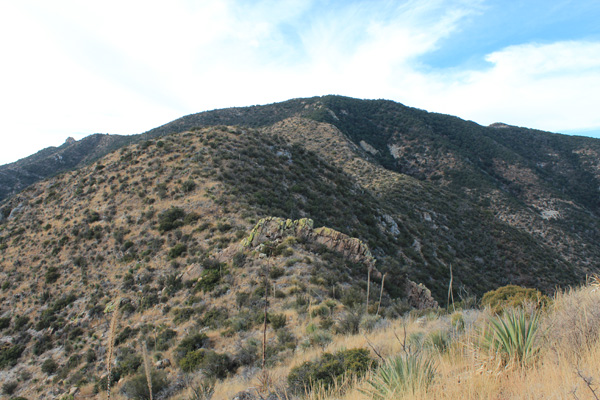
<point>72,67</point>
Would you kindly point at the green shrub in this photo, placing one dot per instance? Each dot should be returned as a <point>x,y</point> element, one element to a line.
<point>49,366</point>
<point>10,355</point>
<point>193,360</point>
<point>400,375</point>
<point>128,361</point>
<point>137,387</point>
<point>512,296</point>
<point>349,323</point>
<point>4,323</point>
<point>276,272</point>
<point>182,314</point>
<point>188,186</point>
<point>328,369</point>
<point>164,339</point>
<point>170,219</point>
<point>368,322</point>
<point>209,279</point>
<point>51,275</point>
<point>191,343</point>
<point>214,365</point>
<point>277,321</point>
<point>9,387</point>
<point>177,250</point>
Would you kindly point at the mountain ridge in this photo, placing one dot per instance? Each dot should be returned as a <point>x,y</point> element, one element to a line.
<point>192,230</point>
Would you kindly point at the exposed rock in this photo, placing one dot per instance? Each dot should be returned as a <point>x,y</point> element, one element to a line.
<point>419,296</point>
<point>70,140</point>
<point>193,272</point>
<point>392,225</point>
<point>164,363</point>
<point>368,148</point>
<point>16,210</point>
<point>276,229</point>
<point>244,395</point>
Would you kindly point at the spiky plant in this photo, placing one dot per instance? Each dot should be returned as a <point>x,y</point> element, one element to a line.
<point>513,336</point>
<point>404,374</point>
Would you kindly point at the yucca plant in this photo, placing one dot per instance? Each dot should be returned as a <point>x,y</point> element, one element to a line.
<point>404,374</point>
<point>513,336</point>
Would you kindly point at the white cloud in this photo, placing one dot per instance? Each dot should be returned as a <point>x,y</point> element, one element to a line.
<point>72,68</point>
<point>545,86</point>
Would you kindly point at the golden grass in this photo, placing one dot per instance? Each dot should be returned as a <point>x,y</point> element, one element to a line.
<point>465,371</point>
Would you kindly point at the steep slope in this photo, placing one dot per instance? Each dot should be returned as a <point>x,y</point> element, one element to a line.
<point>72,154</point>
<point>157,230</point>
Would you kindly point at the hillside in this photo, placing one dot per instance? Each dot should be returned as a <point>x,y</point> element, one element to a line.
<point>189,226</point>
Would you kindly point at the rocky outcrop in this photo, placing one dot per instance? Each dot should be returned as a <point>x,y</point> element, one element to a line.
<point>418,296</point>
<point>276,229</point>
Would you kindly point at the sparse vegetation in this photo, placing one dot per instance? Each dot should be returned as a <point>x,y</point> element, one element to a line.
<point>148,248</point>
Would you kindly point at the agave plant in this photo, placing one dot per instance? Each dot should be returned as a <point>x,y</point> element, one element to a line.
<point>410,373</point>
<point>513,336</point>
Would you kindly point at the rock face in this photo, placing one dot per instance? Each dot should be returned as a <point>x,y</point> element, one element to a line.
<point>419,296</point>
<point>276,229</point>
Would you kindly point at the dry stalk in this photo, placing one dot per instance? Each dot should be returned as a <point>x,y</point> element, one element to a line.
<point>588,382</point>
<point>373,348</point>
<point>380,294</point>
<point>368,289</point>
<point>111,342</point>
<point>147,367</point>
<point>450,293</point>
<point>264,344</point>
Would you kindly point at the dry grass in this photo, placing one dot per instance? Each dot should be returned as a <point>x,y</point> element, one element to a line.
<point>569,357</point>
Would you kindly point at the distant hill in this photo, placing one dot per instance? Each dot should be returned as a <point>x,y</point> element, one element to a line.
<point>48,162</point>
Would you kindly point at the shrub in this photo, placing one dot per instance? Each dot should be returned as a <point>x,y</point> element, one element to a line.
<point>214,365</point>
<point>164,339</point>
<point>10,355</point>
<point>277,320</point>
<point>349,323</point>
<point>399,375</point>
<point>51,275</point>
<point>128,362</point>
<point>177,250</point>
<point>276,272</point>
<point>49,366</point>
<point>9,387</point>
<point>368,322</point>
<point>329,368</point>
<point>137,387</point>
<point>170,219</point>
<point>4,323</point>
<point>512,296</point>
<point>319,338</point>
<point>188,186</point>
<point>191,343</point>
<point>209,279</point>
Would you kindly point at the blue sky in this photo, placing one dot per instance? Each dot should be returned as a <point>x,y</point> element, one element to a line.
<point>72,68</point>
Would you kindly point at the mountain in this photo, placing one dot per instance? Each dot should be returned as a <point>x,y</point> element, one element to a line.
<point>319,204</point>
<point>48,162</point>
